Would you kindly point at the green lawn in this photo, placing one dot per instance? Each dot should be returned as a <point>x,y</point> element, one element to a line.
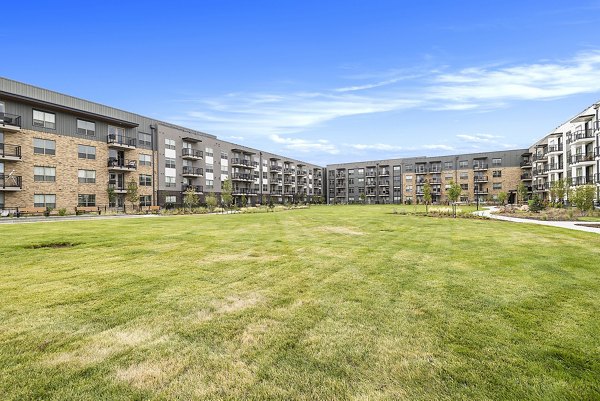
<point>341,302</point>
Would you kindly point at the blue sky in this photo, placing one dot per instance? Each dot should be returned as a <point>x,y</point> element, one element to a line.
<point>328,81</point>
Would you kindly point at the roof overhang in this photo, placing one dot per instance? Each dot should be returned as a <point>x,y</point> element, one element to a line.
<point>191,139</point>
<point>583,119</point>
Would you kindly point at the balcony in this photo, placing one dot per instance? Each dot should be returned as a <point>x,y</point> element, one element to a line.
<point>10,152</point>
<point>341,194</point>
<point>384,183</point>
<point>10,182</point>
<point>587,180</point>
<point>244,191</point>
<point>340,175</point>
<point>370,184</point>
<point>420,171</point>
<point>10,122</point>
<point>370,173</point>
<point>241,177</point>
<point>275,169</point>
<point>121,164</point>
<point>288,171</point>
<point>301,173</point>
<point>189,171</point>
<point>526,177</point>
<point>539,156</point>
<point>435,169</point>
<point>481,191</point>
<point>236,161</point>
<point>118,188</point>
<point>525,164</point>
<point>289,182</point>
<point>541,171</point>
<point>480,178</point>
<point>583,158</point>
<point>555,166</point>
<point>384,172</point>
<point>541,187</point>
<point>120,141</point>
<point>555,148</point>
<point>582,136</point>
<point>191,154</point>
<point>197,188</point>
<point>480,166</point>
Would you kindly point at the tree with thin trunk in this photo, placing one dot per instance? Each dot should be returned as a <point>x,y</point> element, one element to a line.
<point>190,198</point>
<point>558,190</point>
<point>583,198</point>
<point>211,202</point>
<point>453,195</point>
<point>244,200</point>
<point>226,192</point>
<point>522,191</point>
<point>132,193</point>
<point>502,196</point>
<point>427,195</point>
<point>362,197</point>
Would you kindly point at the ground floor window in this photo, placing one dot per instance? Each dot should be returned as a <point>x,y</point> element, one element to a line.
<point>146,200</point>
<point>86,200</point>
<point>170,199</point>
<point>44,200</point>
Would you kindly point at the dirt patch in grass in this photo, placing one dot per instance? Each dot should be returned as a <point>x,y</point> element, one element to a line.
<point>61,244</point>
<point>255,331</point>
<point>341,230</point>
<point>230,305</point>
<point>149,374</point>
<point>252,256</point>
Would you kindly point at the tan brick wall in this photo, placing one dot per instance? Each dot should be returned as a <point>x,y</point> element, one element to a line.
<point>67,163</point>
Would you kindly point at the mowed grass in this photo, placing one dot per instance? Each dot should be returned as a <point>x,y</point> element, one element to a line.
<point>343,302</point>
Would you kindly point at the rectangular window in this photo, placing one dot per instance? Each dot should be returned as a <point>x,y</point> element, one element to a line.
<point>496,162</point>
<point>144,139</point>
<point>463,164</point>
<point>170,182</point>
<point>170,199</point>
<point>225,172</point>
<point>497,173</point>
<point>44,146</point>
<point>210,184</point>
<point>86,152</point>
<point>44,174</point>
<point>497,185</point>
<point>86,128</point>
<point>209,168</point>
<point>223,155</point>
<point>44,119</point>
<point>408,168</point>
<point>146,200</point>
<point>117,133</point>
<point>145,160</point>
<point>169,163</point>
<point>464,176</point>
<point>44,200</point>
<point>361,171</point>
<point>350,181</point>
<point>448,165</point>
<point>409,177</point>
<point>209,152</point>
<point>464,187</point>
<point>86,176</point>
<point>409,188</point>
<point>396,169</point>
<point>86,200</point>
<point>350,171</point>
<point>169,143</point>
<point>146,180</point>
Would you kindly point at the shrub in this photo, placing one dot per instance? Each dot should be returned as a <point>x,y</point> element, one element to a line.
<point>535,204</point>
<point>62,211</point>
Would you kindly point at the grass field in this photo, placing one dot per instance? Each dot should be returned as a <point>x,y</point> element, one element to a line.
<point>344,302</point>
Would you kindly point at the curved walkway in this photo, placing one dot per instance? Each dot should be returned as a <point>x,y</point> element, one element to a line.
<point>572,225</point>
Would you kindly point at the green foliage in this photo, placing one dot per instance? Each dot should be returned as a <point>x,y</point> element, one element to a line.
<point>558,190</point>
<point>362,197</point>
<point>226,192</point>
<point>190,198</point>
<point>62,211</point>
<point>211,202</point>
<point>454,194</point>
<point>427,195</point>
<point>522,192</point>
<point>132,193</point>
<point>536,204</point>
<point>502,196</point>
<point>244,200</point>
<point>112,195</point>
<point>583,198</point>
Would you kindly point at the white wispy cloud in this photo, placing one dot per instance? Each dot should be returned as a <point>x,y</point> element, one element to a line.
<point>375,146</point>
<point>478,140</point>
<point>303,145</point>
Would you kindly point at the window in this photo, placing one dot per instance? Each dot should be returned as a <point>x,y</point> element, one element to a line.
<point>209,168</point>
<point>463,164</point>
<point>350,171</point>
<point>169,143</point>
<point>396,170</point>
<point>116,132</point>
<point>86,176</point>
<point>448,165</point>
<point>350,181</point>
<point>225,172</point>
<point>448,178</point>
<point>86,200</point>
<point>209,152</point>
<point>170,181</point>
<point>210,184</point>
<point>146,200</point>
<point>145,160</point>
<point>170,199</point>
<point>497,173</point>
<point>86,128</point>
<point>464,187</point>
<point>86,152</point>
<point>144,139</point>
<point>223,155</point>
<point>44,200</point>
<point>497,185</point>
<point>361,171</point>
<point>169,163</point>
<point>409,177</point>
<point>146,180</point>
<point>408,168</point>
<point>44,174</point>
<point>44,146</point>
<point>496,162</point>
<point>44,119</point>
<point>464,176</point>
<point>409,188</point>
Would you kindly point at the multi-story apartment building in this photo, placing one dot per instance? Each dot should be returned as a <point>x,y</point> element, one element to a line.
<point>482,176</point>
<point>58,151</point>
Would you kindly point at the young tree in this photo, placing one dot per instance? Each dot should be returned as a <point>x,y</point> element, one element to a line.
<point>454,195</point>
<point>244,200</point>
<point>559,190</point>
<point>502,196</point>
<point>583,198</point>
<point>362,197</point>
<point>112,195</point>
<point>211,202</point>
<point>190,198</point>
<point>522,191</point>
<point>271,205</point>
<point>427,195</point>
<point>132,193</point>
<point>226,192</point>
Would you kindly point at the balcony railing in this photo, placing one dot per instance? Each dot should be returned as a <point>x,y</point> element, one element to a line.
<point>121,140</point>
<point>197,188</point>
<point>236,161</point>
<point>480,178</point>
<point>191,153</point>
<point>481,191</point>
<point>582,157</point>
<point>12,120</point>
<point>9,151</point>
<point>275,168</point>
<point>587,180</point>
<point>370,173</point>
<point>525,163</point>
<point>116,186</point>
<point>121,164</point>
<point>555,148</point>
<point>526,176</point>
<point>301,172</point>
<point>189,170</point>
<point>583,134</point>
<point>480,166</point>
<point>289,171</point>
<point>541,171</point>
<point>10,182</point>
<point>541,186</point>
<point>241,177</point>
<point>555,166</point>
<point>384,172</point>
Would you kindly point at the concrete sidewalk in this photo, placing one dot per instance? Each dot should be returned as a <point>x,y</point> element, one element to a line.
<point>54,219</point>
<point>571,225</point>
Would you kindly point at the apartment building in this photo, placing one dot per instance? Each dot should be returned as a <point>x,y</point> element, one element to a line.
<point>59,151</point>
<point>482,177</point>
